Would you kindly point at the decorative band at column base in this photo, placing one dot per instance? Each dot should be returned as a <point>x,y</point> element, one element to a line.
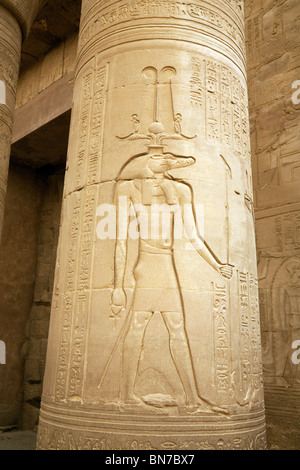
<point>63,428</point>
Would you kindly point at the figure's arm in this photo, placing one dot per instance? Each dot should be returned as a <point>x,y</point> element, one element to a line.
<point>120,263</point>
<point>190,224</point>
<point>122,201</point>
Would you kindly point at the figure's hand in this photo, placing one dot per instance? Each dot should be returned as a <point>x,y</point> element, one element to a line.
<point>226,270</point>
<point>118,301</point>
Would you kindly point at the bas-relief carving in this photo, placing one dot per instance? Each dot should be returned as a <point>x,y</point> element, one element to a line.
<point>144,179</point>
<point>132,10</point>
<point>279,305</point>
<point>223,360</point>
<point>279,300</point>
<point>246,379</point>
<point>76,303</point>
<point>282,170</point>
<point>155,136</point>
<point>133,188</point>
<point>221,98</point>
<point>67,302</point>
<point>286,320</point>
<point>134,182</point>
<point>87,143</point>
<point>56,439</point>
<point>288,233</point>
<point>82,302</point>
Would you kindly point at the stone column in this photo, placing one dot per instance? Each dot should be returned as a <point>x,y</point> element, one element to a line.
<point>16,17</point>
<point>154,338</point>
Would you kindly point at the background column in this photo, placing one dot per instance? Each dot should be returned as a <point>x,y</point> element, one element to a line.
<point>16,17</point>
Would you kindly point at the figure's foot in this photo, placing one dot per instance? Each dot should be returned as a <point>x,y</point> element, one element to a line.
<point>159,400</point>
<point>133,404</point>
<point>220,410</point>
<point>197,406</point>
<point>132,400</point>
<point>201,405</point>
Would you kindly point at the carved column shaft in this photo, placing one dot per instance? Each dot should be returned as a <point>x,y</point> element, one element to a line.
<point>10,48</point>
<point>15,21</point>
<point>24,11</point>
<point>154,340</point>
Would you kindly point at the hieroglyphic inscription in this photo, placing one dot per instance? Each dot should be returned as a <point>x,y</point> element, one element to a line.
<point>87,171</point>
<point>76,303</point>
<point>96,133</point>
<point>236,114</point>
<point>82,295</point>
<point>221,338</point>
<point>89,148</point>
<point>226,106</point>
<point>220,98</point>
<point>291,230</point>
<point>245,365</point>
<point>212,101</point>
<point>244,116</point>
<point>264,300</point>
<point>254,28</point>
<point>255,334</point>
<point>250,360</point>
<point>197,82</point>
<point>77,347</point>
<point>68,301</point>
<point>287,228</point>
<point>57,439</point>
<point>85,115</point>
<point>136,9</point>
<point>278,231</point>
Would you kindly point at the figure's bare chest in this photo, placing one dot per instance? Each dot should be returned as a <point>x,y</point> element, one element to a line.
<point>152,192</point>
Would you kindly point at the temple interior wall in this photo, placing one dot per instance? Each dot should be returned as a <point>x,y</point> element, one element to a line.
<point>273,42</point>
<point>18,254</point>
<point>35,79</point>
<point>38,323</point>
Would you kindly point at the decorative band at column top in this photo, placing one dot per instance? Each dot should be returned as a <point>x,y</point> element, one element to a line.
<point>24,11</point>
<point>233,8</point>
<point>101,20</point>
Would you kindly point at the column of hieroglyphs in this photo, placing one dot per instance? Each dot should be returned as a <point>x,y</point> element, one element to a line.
<point>274,85</point>
<point>154,338</point>
<point>16,17</point>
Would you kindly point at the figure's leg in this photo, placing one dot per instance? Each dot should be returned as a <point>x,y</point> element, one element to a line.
<point>181,354</point>
<point>131,354</point>
<point>281,340</point>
